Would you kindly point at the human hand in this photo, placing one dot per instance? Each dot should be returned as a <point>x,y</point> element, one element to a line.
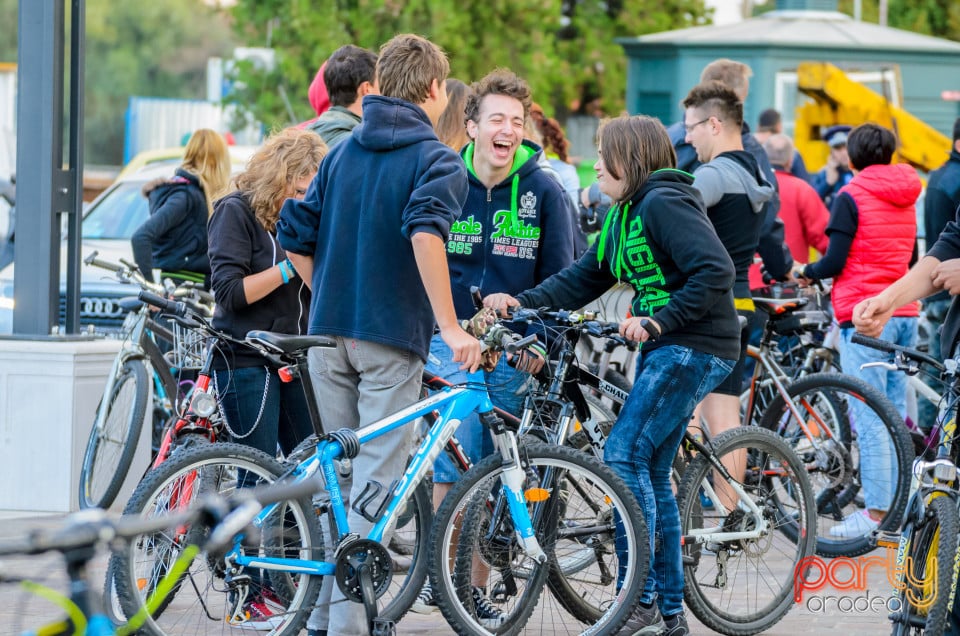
<point>529,360</point>
<point>946,276</point>
<point>796,273</point>
<point>465,348</point>
<point>870,315</point>
<point>631,329</point>
<point>500,302</point>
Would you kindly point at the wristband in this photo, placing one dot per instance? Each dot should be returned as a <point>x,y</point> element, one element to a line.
<point>283,272</point>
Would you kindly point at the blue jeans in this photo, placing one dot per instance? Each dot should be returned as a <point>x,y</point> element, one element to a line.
<point>876,449</point>
<point>507,389</point>
<point>282,409</point>
<point>670,381</point>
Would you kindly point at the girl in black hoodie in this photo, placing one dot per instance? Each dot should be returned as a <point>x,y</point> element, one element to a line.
<point>657,237</point>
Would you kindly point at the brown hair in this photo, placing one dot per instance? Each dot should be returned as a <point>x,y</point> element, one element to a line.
<point>452,125</point>
<point>407,66</point>
<point>500,81</point>
<point>733,75</point>
<point>718,100</point>
<point>208,158</point>
<point>550,132</point>
<point>285,158</point>
<point>633,148</point>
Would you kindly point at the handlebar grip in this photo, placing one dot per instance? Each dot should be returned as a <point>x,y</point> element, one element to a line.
<point>889,347</point>
<point>512,346</point>
<point>651,328</point>
<point>166,306</point>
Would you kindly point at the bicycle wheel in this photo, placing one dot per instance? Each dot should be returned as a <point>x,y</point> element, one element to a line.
<point>579,508</point>
<point>408,547</point>
<point>928,571</point>
<point>832,406</point>
<point>110,448</point>
<point>744,586</point>
<point>214,596</point>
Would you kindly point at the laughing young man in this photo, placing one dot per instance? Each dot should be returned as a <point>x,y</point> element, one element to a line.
<point>515,231</point>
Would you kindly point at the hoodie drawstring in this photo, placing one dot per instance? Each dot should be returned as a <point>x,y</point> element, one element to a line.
<point>618,266</point>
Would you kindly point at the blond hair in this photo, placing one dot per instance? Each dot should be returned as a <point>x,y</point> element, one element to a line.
<point>285,158</point>
<point>207,157</point>
<point>733,75</point>
<point>407,66</point>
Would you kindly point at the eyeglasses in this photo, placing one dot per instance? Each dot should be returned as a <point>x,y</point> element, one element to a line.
<point>690,127</point>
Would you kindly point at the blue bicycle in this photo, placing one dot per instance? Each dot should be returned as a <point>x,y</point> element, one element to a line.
<point>539,504</point>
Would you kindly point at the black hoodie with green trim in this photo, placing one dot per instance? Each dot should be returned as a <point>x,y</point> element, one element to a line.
<point>512,236</point>
<point>661,243</point>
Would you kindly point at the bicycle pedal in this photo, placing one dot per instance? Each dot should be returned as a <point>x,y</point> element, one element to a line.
<point>886,539</point>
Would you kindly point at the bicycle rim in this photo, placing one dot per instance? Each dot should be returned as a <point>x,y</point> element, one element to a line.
<point>744,586</point>
<point>111,448</point>
<point>844,406</point>
<point>205,600</point>
<point>929,571</point>
<point>474,544</point>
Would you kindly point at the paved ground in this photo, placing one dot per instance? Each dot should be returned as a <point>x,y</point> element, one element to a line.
<point>21,611</point>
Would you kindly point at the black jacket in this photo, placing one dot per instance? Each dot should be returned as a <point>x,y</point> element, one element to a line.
<point>665,247</point>
<point>239,246</point>
<point>941,203</point>
<point>174,238</point>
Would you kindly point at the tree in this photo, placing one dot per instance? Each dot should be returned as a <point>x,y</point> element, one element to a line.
<point>564,48</point>
<point>157,49</point>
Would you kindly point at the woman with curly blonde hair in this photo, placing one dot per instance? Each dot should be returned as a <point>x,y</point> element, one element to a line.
<point>257,288</point>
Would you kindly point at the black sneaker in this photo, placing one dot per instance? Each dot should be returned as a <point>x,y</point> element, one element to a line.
<point>676,625</point>
<point>425,603</point>
<point>645,619</point>
<point>488,615</point>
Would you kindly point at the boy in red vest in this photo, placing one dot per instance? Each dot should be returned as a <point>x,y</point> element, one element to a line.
<point>872,231</point>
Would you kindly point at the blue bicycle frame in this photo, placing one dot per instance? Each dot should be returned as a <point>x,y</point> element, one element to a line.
<point>455,404</point>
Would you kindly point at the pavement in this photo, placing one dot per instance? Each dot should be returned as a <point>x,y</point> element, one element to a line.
<point>20,610</point>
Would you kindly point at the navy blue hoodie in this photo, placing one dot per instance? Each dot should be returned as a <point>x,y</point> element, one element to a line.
<point>512,236</point>
<point>390,180</point>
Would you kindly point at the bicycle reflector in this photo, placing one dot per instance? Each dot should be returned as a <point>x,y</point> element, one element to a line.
<point>203,404</point>
<point>536,495</point>
<point>287,374</point>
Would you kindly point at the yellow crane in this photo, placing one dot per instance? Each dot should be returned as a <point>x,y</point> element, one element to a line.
<point>837,99</point>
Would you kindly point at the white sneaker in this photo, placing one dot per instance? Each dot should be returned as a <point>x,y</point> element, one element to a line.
<point>856,524</point>
<point>425,603</point>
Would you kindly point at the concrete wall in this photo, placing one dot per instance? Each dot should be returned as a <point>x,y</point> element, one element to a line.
<point>49,393</point>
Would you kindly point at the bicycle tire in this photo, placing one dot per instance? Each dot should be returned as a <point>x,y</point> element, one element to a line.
<point>470,524</point>
<point>110,450</point>
<point>816,396</point>
<point>742,587</point>
<point>932,550</point>
<point>201,599</point>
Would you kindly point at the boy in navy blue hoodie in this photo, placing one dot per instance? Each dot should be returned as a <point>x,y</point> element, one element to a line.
<point>516,230</point>
<point>370,238</point>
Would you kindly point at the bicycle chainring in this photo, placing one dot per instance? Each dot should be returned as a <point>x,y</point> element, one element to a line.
<point>363,552</point>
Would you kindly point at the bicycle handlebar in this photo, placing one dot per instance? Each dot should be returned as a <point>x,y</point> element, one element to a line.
<point>889,347</point>
<point>95,526</point>
<point>577,320</point>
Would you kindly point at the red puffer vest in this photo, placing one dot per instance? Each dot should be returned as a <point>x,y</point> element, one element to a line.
<point>886,232</point>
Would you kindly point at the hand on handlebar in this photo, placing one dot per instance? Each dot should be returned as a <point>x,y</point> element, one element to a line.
<point>633,329</point>
<point>500,303</point>
<point>465,348</point>
<point>529,360</point>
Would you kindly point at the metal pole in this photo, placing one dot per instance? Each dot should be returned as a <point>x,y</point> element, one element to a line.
<point>75,212</point>
<point>41,190</point>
